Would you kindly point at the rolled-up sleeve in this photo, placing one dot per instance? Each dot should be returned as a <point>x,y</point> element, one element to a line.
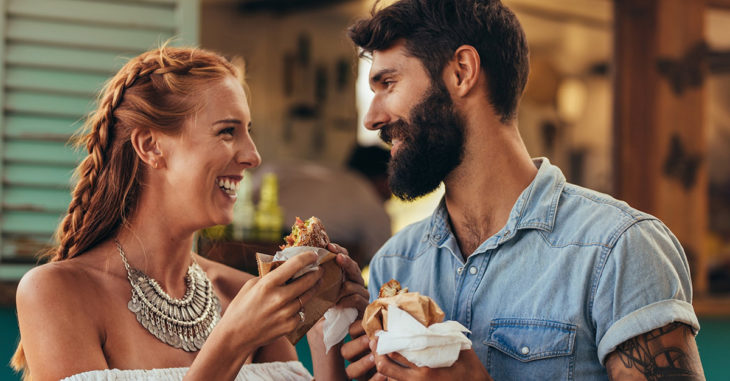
<point>644,284</point>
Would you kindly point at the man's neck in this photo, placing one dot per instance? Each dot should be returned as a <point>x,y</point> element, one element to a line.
<point>481,192</point>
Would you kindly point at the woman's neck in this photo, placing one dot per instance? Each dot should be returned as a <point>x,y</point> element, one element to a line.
<point>158,248</point>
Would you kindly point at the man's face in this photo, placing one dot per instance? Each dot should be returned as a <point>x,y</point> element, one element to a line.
<point>417,116</point>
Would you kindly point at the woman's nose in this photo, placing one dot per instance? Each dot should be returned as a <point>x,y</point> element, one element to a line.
<point>248,154</point>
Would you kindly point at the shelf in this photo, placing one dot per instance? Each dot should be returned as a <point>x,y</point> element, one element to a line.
<point>712,306</point>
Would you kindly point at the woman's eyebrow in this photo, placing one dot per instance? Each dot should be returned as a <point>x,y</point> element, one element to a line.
<point>236,121</point>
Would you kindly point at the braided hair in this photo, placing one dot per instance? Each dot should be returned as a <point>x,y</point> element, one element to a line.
<point>153,90</point>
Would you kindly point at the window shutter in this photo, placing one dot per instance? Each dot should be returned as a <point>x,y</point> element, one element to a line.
<point>55,57</point>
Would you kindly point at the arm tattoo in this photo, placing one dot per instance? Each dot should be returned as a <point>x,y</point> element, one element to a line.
<point>648,355</point>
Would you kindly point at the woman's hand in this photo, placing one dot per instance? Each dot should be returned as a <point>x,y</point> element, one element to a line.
<point>267,308</point>
<point>353,292</point>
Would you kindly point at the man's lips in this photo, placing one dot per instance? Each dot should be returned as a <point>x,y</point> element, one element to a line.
<point>396,144</point>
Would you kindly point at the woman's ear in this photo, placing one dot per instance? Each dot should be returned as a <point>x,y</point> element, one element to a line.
<point>463,71</point>
<point>147,146</point>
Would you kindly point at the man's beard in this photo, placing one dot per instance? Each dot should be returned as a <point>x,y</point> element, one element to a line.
<point>432,145</point>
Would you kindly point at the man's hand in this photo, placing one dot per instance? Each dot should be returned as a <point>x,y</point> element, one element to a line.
<point>394,366</point>
<point>357,352</point>
<point>353,292</point>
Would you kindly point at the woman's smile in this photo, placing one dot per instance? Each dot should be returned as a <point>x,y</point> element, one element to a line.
<point>229,185</point>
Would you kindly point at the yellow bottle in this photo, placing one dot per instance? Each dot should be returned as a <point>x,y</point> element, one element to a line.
<point>269,218</point>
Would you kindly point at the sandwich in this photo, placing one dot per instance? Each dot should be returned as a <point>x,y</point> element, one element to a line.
<point>392,288</point>
<point>413,325</point>
<point>308,235</point>
<point>421,307</point>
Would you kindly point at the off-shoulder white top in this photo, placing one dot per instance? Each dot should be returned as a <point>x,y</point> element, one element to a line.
<point>284,371</point>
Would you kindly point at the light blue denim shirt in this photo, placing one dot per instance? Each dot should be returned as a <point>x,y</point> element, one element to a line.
<point>572,274</point>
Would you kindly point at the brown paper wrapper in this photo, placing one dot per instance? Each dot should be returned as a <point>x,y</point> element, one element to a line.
<point>324,299</point>
<point>421,307</point>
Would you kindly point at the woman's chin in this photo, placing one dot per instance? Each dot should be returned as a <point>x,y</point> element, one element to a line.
<point>225,220</point>
<point>220,219</point>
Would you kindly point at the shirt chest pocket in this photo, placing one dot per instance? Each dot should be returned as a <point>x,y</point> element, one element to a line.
<point>530,349</point>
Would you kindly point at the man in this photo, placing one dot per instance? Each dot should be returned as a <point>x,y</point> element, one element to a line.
<point>554,281</point>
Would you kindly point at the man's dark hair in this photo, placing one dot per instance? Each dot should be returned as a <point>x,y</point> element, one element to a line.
<point>434,29</point>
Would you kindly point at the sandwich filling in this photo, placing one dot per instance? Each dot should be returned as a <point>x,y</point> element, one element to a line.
<point>307,233</point>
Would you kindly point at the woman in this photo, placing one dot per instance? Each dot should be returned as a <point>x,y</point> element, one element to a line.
<point>167,147</point>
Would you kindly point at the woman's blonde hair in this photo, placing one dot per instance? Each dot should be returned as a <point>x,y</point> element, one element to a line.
<point>154,90</point>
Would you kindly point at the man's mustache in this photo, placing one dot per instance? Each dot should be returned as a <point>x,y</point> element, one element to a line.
<point>395,129</point>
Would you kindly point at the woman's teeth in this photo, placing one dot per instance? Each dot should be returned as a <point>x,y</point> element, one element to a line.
<point>228,185</point>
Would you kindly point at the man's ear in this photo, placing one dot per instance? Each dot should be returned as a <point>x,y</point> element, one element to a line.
<point>147,146</point>
<point>463,71</point>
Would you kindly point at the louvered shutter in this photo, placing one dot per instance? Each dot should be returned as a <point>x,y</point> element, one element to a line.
<point>56,55</point>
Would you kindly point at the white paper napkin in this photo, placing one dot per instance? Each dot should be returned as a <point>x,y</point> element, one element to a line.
<point>291,252</point>
<point>337,321</point>
<point>435,346</point>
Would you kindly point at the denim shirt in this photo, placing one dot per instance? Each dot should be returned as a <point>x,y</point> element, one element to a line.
<point>572,274</point>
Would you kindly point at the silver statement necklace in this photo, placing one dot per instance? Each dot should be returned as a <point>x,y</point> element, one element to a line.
<point>182,323</point>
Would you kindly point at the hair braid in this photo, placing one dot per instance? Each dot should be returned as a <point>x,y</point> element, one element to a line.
<point>97,143</point>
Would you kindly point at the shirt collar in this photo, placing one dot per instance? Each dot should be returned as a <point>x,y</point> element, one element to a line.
<point>538,204</point>
<point>536,207</point>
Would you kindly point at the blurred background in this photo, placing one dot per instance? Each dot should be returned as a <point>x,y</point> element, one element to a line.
<point>628,97</point>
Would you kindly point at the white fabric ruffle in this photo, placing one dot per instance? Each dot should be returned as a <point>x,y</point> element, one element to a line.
<point>284,371</point>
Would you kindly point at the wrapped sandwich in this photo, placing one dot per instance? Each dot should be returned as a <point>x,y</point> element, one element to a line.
<point>308,235</point>
<point>421,307</point>
<point>412,324</point>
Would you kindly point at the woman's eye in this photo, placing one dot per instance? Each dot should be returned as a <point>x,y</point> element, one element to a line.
<point>227,131</point>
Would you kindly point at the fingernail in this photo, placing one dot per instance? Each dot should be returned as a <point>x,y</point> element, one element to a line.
<point>371,358</point>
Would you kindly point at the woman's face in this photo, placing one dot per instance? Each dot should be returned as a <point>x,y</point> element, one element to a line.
<point>204,165</point>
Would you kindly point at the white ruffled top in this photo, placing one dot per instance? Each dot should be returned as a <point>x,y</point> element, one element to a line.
<point>284,371</point>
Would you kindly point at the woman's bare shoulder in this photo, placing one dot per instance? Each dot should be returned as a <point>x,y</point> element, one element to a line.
<point>70,285</point>
<point>60,330</point>
<point>51,280</point>
<point>227,280</point>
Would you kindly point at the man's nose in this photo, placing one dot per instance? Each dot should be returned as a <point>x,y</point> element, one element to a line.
<point>376,116</point>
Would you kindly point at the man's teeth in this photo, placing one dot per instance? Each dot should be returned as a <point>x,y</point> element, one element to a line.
<point>229,186</point>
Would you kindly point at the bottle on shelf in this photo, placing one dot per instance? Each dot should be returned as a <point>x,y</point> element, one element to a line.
<point>244,213</point>
<point>269,217</point>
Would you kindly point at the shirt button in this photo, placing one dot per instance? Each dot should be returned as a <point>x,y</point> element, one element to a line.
<point>472,270</point>
<point>459,270</point>
<point>525,350</point>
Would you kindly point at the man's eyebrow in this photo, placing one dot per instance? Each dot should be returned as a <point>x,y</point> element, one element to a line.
<point>380,74</point>
<point>235,121</point>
